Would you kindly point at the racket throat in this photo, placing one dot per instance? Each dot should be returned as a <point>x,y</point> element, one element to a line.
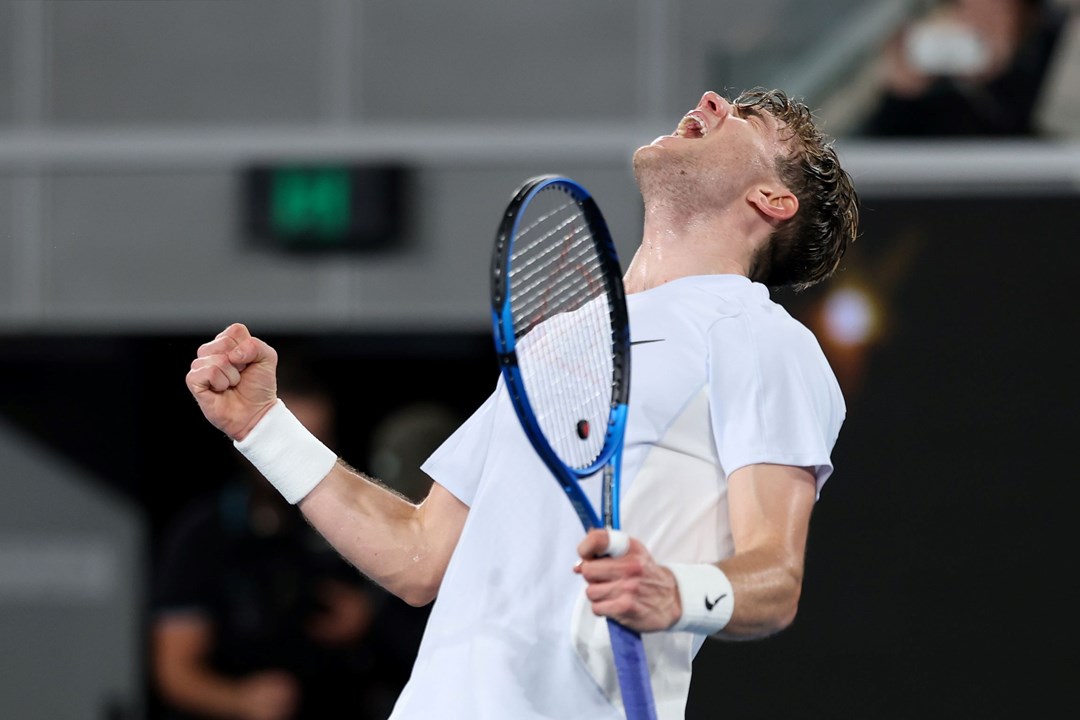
<point>609,510</point>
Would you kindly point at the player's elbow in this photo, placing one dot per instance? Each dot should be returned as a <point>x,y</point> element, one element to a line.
<point>421,586</point>
<point>786,605</point>
<point>770,609</point>
<point>420,595</point>
<point>786,617</point>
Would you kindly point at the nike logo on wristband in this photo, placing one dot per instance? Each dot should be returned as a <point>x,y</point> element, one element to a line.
<point>643,342</point>
<point>710,605</point>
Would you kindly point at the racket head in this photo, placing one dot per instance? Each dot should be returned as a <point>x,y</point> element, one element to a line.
<point>560,324</point>
<point>562,336</point>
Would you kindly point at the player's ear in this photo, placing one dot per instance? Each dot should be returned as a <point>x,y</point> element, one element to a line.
<point>775,202</point>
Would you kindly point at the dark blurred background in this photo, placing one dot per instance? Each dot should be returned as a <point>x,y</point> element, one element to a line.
<point>332,173</point>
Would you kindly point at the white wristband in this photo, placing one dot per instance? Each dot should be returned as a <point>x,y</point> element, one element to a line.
<point>706,596</point>
<point>286,453</point>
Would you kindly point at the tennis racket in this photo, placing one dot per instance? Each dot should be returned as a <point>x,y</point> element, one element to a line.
<point>562,339</point>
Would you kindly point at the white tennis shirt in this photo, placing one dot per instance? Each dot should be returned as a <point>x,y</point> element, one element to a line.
<point>721,377</point>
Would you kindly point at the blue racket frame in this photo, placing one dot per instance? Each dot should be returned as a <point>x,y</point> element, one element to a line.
<point>630,659</point>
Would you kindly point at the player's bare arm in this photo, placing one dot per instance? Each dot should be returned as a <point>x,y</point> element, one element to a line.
<point>403,547</point>
<point>770,508</point>
<point>770,514</point>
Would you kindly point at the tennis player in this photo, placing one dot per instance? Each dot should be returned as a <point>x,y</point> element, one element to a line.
<point>734,412</point>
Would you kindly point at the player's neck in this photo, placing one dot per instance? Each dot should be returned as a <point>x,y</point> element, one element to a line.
<point>696,246</point>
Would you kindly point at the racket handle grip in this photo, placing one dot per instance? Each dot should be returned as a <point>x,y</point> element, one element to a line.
<point>632,667</point>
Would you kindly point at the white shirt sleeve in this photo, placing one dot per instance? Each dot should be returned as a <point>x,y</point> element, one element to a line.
<point>458,462</point>
<point>773,396</point>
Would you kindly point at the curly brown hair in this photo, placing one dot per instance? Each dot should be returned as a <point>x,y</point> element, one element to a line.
<point>807,248</point>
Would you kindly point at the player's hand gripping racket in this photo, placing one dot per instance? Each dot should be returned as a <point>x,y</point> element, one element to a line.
<point>563,344</point>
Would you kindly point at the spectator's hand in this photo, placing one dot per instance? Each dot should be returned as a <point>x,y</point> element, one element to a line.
<point>233,380</point>
<point>900,76</point>
<point>632,589</point>
<point>1000,27</point>
<point>995,26</point>
<point>344,615</point>
<point>270,695</point>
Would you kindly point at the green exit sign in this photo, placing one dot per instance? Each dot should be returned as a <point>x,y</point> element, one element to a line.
<point>318,207</point>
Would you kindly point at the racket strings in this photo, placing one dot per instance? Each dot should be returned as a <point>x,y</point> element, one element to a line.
<point>533,297</point>
<point>563,318</point>
<point>555,300</point>
<point>568,368</point>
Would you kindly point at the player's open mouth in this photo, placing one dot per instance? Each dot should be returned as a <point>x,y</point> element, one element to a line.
<point>691,126</point>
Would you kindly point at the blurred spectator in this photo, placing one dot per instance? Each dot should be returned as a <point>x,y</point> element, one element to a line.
<point>257,618</point>
<point>404,439</point>
<point>969,68</point>
<point>1059,108</point>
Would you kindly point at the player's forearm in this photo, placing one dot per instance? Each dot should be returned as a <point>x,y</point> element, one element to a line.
<point>401,546</point>
<point>388,538</point>
<point>766,591</point>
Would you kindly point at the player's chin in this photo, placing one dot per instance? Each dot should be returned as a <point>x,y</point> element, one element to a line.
<point>656,147</point>
<point>660,151</point>
<point>653,168</point>
<point>647,156</point>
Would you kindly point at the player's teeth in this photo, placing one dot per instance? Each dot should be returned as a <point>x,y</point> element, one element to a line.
<point>689,126</point>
